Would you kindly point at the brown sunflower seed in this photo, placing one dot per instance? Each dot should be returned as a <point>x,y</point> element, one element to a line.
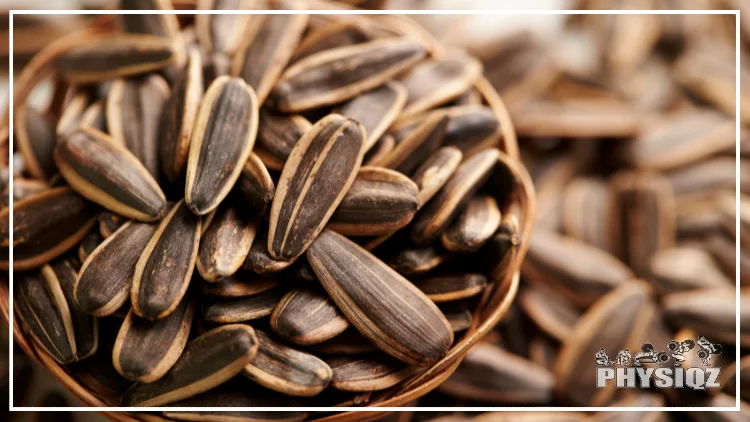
<point>307,316</point>
<point>580,272</point>
<point>681,139</point>
<point>451,288</point>
<point>259,260</point>
<point>163,25</point>
<point>491,374</point>
<point>242,308</point>
<point>207,361</point>
<point>435,171</point>
<point>178,118</point>
<point>334,35</point>
<point>577,118</point>
<point>380,150</point>
<point>550,312</point>
<point>379,201</point>
<point>134,109</point>
<point>435,217</point>
<point>375,109</point>
<point>227,121</point>
<point>704,178</point>
<point>439,81</point>
<point>412,329</point>
<point>287,370</point>
<point>277,136</point>
<point>471,128</point>
<point>105,278</point>
<point>222,33</point>
<point>458,316</point>
<point>350,342</point>
<point>106,57</point>
<point>239,394</point>
<point>89,243</point>
<point>109,222</point>
<point>413,261</point>
<point>585,211</point>
<point>711,311</point>
<point>262,59</point>
<point>322,165</point>
<point>685,269</point>
<point>608,325</point>
<point>41,305</point>
<point>225,243</point>
<point>255,185</point>
<point>145,350</point>
<point>418,145</point>
<point>336,75</point>
<point>36,137</point>
<point>44,227</point>
<point>474,226</point>
<point>502,249</point>
<point>643,218</point>
<point>239,284</point>
<point>363,374</point>
<point>86,327</point>
<point>164,270</point>
<point>103,171</point>
<point>94,117</point>
<point>71,115</point>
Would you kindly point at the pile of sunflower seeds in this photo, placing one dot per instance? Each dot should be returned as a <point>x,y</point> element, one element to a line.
<point>627,125</point>
<point>224,211</point>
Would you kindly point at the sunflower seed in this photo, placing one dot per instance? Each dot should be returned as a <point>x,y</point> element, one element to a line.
<point>255,185</point>
<point>338,74</point>
<point>287,370</point>
<point>439,81</point>
<point>225,243</point>
<point>323,166</point>
<point>709,311</point>
<point>41,306</point>
<point>379,201</point>
<point>375,109</point>
<point>451,288</point>
<point>262,59</point>
<point>44,227</point>
<point>585,211</point>
<point>163,271</point>
<point>242,308</point>
<point>105,278</point>
<point>474,226</point>
<point>277,136</point>
<point>380,150</point>
<point>435,217</point>
<point>259,260</point>
<point>418,145</point>
<point>458,317</point>
<point>86,327</point>
<point>350,342</point>
<point>89,243</point>
<point>396,316</point>
<point>550,312</point>
<point>207,361</point>
<point>685,269</point>
<point>178,118</point>
<point>35,134</point>
<point>105,57</point>
<point>144,350</point>
<point>223,32</point>
<point>412,261</point>
<point>94,117</point>
<point>109,222</point>
<point>239,284</point>
<point>337,34</point>
<point>307,316</point>
<point>103,171</point>
<point>71,115</point>
<point>435,171</point>
<point>362,374</point>
<point>577,118</point>
<point>134,108</point>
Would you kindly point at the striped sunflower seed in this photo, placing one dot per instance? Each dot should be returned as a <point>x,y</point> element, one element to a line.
<point>287,370</point>
<point>338,74</point>
<point>255,186</point>
<point>225,243</point>
<point>307,316</point>
<point>451,288</point>
<point>222,33</point>
<point>380,150</point>
<point>322,165</point>
<point>550,312</point>
<point>259,260</point>
<point>474,226</point>
<point>338,34</point>
<point>239,284</point>
<point>105,278</point>
<point>375,109</point>
<point>207,361</point>
<point>101,57</point>
<point>277,136</point>
<point>379,201</point>
<point>103,171</point>
<point>223,136</point>
<point>145,350</point>
<point>362,374</point>
<point>413,261</point>
<point>35,134</point>
<point>435,171</point>
<point>396,316</point>
<point>44,227</point>
<point>418,145</point>
<point>86,327</point>
<point>241,309</point>
<point>164,269</point>
<point>89,243</point>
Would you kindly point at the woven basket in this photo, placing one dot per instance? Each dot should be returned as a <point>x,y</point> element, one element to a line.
<point>489,310</point>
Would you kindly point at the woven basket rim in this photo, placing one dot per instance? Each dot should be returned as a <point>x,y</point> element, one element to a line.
<point>496,302</point>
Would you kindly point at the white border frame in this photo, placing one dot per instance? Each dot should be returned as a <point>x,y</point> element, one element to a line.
<point>736,14</point>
